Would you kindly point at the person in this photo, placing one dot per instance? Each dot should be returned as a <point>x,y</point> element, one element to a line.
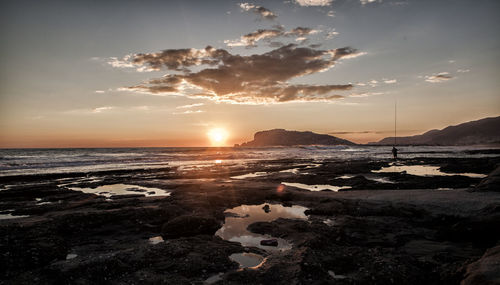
<point>395,152</point>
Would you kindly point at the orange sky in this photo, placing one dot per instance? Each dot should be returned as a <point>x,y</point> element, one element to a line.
<point>156,74</point>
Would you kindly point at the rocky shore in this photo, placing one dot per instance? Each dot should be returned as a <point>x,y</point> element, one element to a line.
<point>376,230</point>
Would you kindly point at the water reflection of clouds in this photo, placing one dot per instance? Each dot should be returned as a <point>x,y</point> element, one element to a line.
<point>122,189</point>
<point>235,228</point>
<point>423,170</point>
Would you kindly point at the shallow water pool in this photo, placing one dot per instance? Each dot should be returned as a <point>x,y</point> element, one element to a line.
<point>122,189</point>
<point>235,225</point>
<point>317,187</point>
<point>422,170</point>
<point>248,259</point>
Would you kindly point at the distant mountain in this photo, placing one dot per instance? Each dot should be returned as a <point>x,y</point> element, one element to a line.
<point>281,137</point>
<point>484,131</point>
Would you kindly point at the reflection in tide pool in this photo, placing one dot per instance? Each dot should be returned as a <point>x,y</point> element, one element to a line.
<point>122,189</point>
<point>250,175</point>
<point>315,187</point>
<point>6,215</point>
<point>156,240</point>
<point>214,278</point>
<point>422,170</point>
<point>235,226</point>
<point>248,259</point>
<point>71,256</point>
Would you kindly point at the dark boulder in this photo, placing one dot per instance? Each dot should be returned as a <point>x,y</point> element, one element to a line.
<point>485,270</point>
<point>490,183</point>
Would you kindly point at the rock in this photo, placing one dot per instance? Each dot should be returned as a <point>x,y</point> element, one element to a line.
<point>133,189</point>
<point>269,242</point>
<point>188,225</point>
<point>126,196</point>
<point>288,138</point>
<point>490,183</point>
<point>266,208</point>
<point>486,270</point>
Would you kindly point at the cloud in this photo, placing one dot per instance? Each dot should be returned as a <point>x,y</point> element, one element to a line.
<point>364,2</point>
<point>314,2</point>
<point>141,108</point>
<point>99,91</point>
<point>259,10</point>
<point>331,13</point>
<point>302,31</point>
<point>331,33</point>
<point>366,94</point>
<point>463,70</point>
<point>390,81</point>
<point>250,40</point>
<point>115,62</point>
<point>187,112</point>
<point>107,109</point>
<point>372,83</point>
<point>190,106</point>
<point>253,79</point>
<point>102,109</point>
<point>173,59</point>
<point>438,78</point>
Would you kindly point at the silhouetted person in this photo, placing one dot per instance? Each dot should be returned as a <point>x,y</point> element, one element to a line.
<point>395,152</point>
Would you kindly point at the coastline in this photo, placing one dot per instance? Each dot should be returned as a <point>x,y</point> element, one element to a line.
<point>364,234</point>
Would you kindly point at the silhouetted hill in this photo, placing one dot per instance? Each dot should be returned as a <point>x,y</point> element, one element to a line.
<point>484,131</point>
<point>281,137</point>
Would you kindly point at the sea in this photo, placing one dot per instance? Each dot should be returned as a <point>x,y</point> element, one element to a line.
<point>47,161</point>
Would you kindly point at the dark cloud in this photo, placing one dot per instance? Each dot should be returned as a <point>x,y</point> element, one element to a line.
<point>175,59</point>
<point>264,13</point>
<point>253,79</point>
<point>250,39</point>
<point>301,31</point>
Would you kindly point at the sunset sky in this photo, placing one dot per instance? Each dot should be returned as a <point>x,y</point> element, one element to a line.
<point>167,73</point>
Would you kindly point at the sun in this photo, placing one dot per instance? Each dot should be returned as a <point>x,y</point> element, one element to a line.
<point>217,136</point>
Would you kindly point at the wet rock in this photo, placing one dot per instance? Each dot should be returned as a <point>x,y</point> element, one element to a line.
<point>483,165</point>
<point>178,261</point>
<point>234,215</point>
<point>482,229</point>
<point>269,242</point>
<point>266,208</point>
<point>190,226</point>
<point>486,270</point>
<point>371,241</point>
<point>126,196</point>
<point>490,183</point>
<point>132,189</point>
